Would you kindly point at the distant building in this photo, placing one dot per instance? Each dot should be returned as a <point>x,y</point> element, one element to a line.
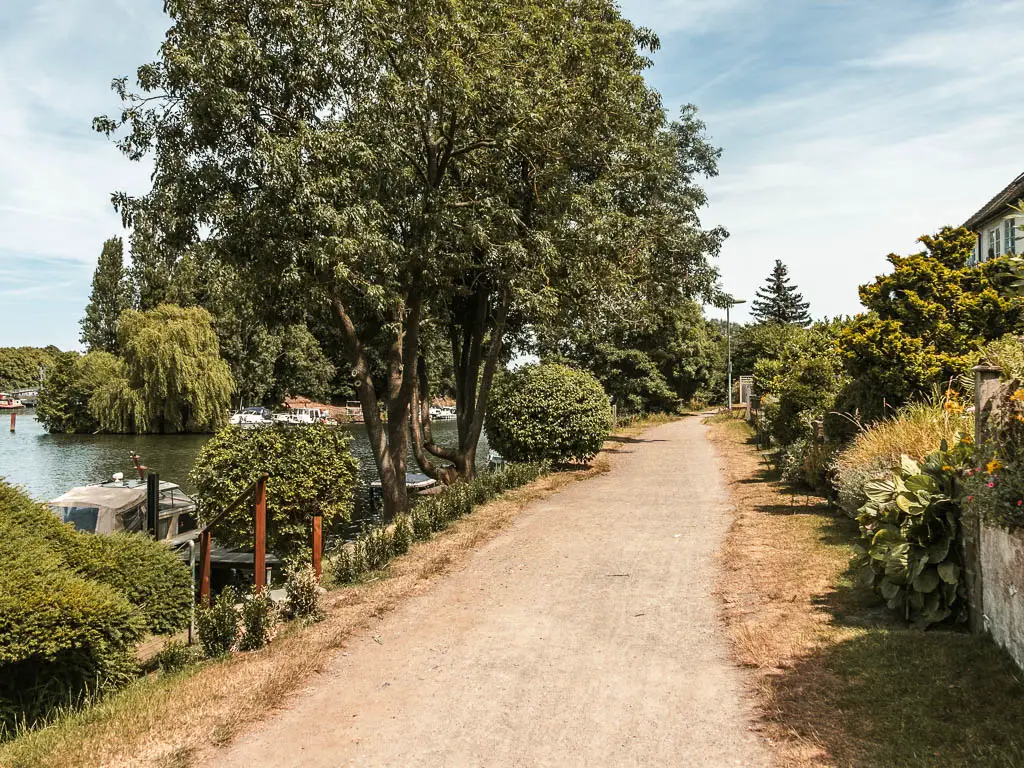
<point>997,225</point>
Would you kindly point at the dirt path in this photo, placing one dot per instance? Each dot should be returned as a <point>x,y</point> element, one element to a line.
<point>585,635</point>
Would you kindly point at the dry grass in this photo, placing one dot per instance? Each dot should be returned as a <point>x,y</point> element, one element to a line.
<point>168,721</point>
<point>839,682</point>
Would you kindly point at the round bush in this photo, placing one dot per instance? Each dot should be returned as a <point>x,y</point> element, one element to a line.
<point>548,412</point>
<point>311,473</point>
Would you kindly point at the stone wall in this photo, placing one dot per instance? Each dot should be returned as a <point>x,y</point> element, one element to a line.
<point>1002,568</point>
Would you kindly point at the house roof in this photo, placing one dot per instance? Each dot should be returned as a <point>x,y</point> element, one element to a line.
<point>998,204</point>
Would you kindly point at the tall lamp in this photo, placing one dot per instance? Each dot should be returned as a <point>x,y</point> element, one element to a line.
<point>729,303</point>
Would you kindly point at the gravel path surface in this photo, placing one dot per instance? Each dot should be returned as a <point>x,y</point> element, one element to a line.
<point>584,635</point>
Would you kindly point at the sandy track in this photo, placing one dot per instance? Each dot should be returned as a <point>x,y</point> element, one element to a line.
<point>584,635</point>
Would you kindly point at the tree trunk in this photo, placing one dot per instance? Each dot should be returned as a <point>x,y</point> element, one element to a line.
<point>388,443</point>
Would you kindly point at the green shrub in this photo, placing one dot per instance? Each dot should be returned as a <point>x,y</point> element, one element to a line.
<point>259,616</point>
<point>910,544</point>
<point>217,625</point>
<point>914,431</point>
<point>312,472</point>
<point>808,463</point>
<point>63,638</point>
<point>174,656</point>
<point>548,412</point>
<point>403,534</point>
<point>303,593</point>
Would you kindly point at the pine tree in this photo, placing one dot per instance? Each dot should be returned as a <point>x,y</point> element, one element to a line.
<point>779,301</point>
<point>110,296</point>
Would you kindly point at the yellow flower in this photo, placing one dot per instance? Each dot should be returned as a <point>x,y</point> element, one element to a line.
<point>946,468</point>
<point>1018,395</point>
<point>993,466</point>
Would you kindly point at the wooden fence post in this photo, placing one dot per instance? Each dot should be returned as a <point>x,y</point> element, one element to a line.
<point>318,545</point>
<point>986,384</point>
<point>260,553</point>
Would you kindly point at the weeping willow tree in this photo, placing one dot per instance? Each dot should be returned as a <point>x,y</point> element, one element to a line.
<point>172,378</point>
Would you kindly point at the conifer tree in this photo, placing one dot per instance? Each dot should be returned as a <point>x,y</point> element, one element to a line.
<point>109,298</point>
<point>778,301</point>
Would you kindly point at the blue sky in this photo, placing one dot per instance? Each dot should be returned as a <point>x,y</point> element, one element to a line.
<point>849,128</point>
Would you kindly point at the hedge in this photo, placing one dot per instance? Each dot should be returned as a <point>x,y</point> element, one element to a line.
<point>73,606</point>
<point>548,413</point>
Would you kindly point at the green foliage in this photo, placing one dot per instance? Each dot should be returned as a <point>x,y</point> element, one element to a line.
<point>259,616</point>
<point>996,485</point>
<point>302,590</point>
<point>548,412</point>
<point>807,462</point>
<point>312,472</point>
<point>799,380</point>
<point>662,353</point>
<point>174,656</point>
<point>914,430</point>
<point>111,295</point>
<point>19,366</point>
<point>928,320</point>
<point>374,547</point>
<point>173,378</point>
<point>218,625</point>
<point>64,637</point>
<point>780,302</point>
<point>910,546</point>
<point>66,397</point>
<point>1007,354</point>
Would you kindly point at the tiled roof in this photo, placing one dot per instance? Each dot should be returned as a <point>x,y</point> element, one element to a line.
<point>998,204</point>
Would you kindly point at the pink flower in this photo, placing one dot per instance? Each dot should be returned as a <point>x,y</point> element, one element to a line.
<point>1020,502</point>
<point>970,498</point>
<point>991,485</point>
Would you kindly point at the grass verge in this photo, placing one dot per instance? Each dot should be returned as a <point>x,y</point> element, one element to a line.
<point>839,680</point>
<point>167,721</point>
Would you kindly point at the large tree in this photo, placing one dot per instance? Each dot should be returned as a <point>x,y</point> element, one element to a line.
<point>463,163</point>
<point>109,298</point>
<point>779,301</point>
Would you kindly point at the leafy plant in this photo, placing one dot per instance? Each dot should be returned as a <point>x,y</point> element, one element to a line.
<point>548,412</point>
<point>175,655</point>
<point>910,550</point>
<point>311,472</point>
<point>259,615</point>
<point>302,589</point>
<point>218,624</point>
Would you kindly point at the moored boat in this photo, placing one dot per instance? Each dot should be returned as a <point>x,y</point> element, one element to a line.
<point>9,402</point>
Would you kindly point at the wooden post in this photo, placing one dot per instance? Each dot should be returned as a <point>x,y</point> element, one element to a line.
<point>14,420</point>
<point>986,385</point>
<point>204,580</point>
<point>153,504</point>
<point>318,545</point>
<point>260,556</point>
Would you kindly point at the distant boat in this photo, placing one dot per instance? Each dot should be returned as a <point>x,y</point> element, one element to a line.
<point>443,412</point>
<point>254,416</point>
<point>9,402</point>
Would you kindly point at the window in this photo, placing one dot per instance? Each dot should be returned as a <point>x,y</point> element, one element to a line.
<point>1010,235</point>
<point>993,243</point>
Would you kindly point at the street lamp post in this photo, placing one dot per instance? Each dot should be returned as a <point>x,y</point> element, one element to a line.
<point>729,303</point>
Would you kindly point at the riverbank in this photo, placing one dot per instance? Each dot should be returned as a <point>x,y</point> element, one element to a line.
<point>166,721</point>
<point>841,681</point>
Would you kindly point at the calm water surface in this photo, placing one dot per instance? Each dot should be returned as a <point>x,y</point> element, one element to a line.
<point>47,465</point>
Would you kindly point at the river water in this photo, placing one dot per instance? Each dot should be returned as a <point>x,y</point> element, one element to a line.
<point>47,465</point>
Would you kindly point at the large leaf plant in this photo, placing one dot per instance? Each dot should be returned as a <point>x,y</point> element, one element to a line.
<point>910,550</point>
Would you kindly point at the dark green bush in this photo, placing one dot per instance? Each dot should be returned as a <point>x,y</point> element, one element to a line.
<point>63,637</point>
<point>218,625</point>
<point>548,412</point>
<point>311,473</point>
<point>174,656</point>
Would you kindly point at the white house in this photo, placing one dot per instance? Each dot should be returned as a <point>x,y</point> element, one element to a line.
<point>998,224</point>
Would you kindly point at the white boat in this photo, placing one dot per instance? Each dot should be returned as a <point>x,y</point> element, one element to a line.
<point>302,416</point>
<point>120,505</point>
<point>442,413</point>
<point>251,417</point>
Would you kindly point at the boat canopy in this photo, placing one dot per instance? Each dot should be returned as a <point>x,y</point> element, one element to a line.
<point>102,508</point>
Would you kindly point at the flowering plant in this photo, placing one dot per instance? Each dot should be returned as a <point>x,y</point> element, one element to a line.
<point>995,486</point>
